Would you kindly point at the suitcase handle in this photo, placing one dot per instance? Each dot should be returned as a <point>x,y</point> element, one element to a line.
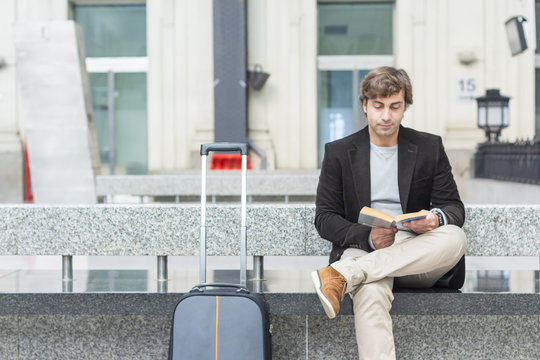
<point>224,146</point>
<point>199,287</point>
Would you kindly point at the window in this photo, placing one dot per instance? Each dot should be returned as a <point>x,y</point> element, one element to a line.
<point>355,29</point>
<point>115,44</point>
<point>353,38</point>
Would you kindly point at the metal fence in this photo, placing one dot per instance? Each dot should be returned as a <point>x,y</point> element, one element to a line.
<point>519,161</point>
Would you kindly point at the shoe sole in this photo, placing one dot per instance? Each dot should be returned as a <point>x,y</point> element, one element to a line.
<point>328,308</point>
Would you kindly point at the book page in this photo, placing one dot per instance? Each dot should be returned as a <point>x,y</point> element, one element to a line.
<point>411,216</point>
<point>375,218</point>
<point>377,214</point>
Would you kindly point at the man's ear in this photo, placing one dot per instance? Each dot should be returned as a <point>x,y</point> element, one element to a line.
<point>364,106</point>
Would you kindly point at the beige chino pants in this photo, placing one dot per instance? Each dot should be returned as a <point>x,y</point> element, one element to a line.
<point>413,261</point>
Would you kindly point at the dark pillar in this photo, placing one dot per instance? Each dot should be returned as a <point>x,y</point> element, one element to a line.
<point>230,89</point>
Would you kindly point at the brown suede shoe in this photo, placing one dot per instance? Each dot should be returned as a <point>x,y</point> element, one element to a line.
<point>330,286</point>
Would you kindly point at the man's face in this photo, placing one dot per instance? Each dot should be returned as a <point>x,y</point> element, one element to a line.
<point>384,116</point>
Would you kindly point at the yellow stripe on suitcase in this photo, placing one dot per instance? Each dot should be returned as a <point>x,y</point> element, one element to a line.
<point>217,325</point>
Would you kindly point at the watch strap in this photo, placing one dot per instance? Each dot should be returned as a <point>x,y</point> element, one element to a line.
<point>440,216</point>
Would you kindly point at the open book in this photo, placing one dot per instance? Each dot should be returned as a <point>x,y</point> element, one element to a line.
<point>377,218</point>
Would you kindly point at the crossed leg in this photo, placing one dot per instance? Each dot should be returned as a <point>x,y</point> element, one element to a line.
<point>415,261</point>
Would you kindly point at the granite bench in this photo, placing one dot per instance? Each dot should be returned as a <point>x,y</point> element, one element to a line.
<point>273,230</point>
<point>427,324</point>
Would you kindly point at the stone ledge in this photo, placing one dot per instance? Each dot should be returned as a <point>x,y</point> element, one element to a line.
<point>220,183</point>
<point>406,302</point>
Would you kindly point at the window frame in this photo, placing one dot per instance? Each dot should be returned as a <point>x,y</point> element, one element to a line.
<point>134,64</point>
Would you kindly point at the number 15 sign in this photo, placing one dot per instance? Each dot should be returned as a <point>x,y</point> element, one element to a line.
<point>466,89</point>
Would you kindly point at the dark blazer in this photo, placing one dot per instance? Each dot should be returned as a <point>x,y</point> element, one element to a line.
<point>424,178</point>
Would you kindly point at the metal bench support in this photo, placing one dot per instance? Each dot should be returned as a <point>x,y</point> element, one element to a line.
<point>163,274</point>
<point>258,267</point>
<point>67,273</point>
<point>258,273</point>
<point>162,268</point>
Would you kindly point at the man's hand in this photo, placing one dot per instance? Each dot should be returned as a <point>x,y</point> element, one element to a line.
<point>430,222</point>
<point>382,238</point>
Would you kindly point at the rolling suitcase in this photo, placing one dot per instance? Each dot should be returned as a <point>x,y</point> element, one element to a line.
<point>221,320</point>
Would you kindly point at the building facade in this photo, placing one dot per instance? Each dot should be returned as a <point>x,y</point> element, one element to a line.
<point>156,58</point>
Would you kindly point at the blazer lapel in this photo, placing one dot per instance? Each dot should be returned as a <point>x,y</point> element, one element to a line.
<point>360,167</point>
<point>406,163</point>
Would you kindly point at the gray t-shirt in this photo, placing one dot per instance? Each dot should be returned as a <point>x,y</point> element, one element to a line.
<point>384,179</point>
<point>384,183</point>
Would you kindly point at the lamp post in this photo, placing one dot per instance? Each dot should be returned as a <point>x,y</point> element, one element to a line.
<point>493,113</point>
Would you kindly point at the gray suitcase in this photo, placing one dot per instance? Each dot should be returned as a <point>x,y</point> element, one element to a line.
<point>220,320</point>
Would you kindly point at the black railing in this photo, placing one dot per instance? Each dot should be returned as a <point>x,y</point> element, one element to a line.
<point>519,162</point>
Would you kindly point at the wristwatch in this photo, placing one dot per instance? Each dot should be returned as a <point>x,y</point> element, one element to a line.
<point>440,215</point>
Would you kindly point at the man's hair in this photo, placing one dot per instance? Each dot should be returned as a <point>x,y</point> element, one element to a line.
<point>386,81</point>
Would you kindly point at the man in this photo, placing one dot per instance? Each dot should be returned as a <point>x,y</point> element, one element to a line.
<point>396,170</point>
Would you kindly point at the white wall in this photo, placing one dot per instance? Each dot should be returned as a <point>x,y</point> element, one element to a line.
<point>282,37</point>
<point>431,35</point>
<point>180,81</point>
<point>282,116</point>
<point>430,38</point>
<point>8,99</point>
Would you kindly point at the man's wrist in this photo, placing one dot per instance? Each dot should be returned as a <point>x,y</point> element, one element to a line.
<point>371,242</point>
<point>440,216</point>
